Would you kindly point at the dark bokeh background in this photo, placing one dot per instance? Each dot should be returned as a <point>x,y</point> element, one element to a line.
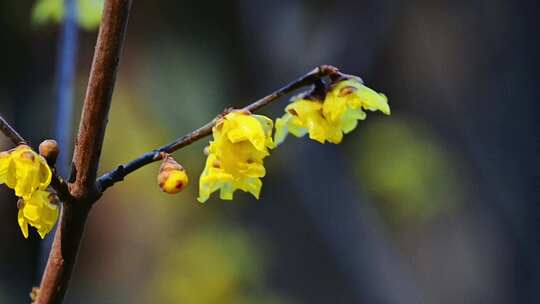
<point>436,203</point>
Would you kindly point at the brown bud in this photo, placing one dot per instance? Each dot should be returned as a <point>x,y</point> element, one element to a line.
<point>49,150</point>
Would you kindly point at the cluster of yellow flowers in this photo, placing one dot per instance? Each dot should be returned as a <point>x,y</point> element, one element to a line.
<point>28,174</point>
<point>242,140</point>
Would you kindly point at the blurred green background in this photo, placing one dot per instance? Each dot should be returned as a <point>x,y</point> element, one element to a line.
<point>436,203</point>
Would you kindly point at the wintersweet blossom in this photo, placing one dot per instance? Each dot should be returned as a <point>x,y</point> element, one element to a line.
<point>40,210</point>
<point>327,120</point>
<point>24,171</point>
<point>29,175</point>
<point>304,116</point>
<point>347,100</point>
<point>235,161</point>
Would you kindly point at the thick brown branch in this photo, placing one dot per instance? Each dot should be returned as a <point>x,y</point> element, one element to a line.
<point>83,190</point>
<point>118,174</point>
<point>10,132</point>
<point>98,96</point>
<point>61,187</point>
<point>63,253</point>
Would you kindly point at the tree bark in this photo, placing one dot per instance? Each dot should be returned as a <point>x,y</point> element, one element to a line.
<point>82,184</point>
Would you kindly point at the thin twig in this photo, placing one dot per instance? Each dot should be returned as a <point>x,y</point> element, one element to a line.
<point>10,132</point>
<point>57,183</point>
<point>83,189</point>
<point>118,174</point>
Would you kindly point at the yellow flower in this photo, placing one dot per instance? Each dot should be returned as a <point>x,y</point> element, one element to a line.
<point>304,116</point>
<point>235,160</point>
<point>38,211</point>
<point>327,120</point>
<point>346,101</point>
<point>24,170</point>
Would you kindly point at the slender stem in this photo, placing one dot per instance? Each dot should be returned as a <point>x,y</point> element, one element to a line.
<point>65,68</point>
<point>83,190</point>
<point>118,174</point>
<point>10,132</point>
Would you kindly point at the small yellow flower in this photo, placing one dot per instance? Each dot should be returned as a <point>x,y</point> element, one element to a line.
<point>24,170</point>
<point>304,116</point>
<point>343,105</point>
<point>38,211</point>
<point>235,159</point>
<point>346,101</point>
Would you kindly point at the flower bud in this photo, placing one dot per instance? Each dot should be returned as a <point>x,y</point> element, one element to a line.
<point>172,177</point>
<point>49,150</point>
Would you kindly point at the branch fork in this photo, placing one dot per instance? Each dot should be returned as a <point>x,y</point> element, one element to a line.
<point>84,188</point>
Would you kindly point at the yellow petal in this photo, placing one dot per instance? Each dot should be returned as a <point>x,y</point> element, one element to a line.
<point>26,175</point>
<point>38,212</point>
<point>308,115</point>
<point>368,99</point>
<point>22,223</point>
<point>27,171</point>
<point>45,174</point>
<point>240,143</point>
<point>357,96</point>
<point>253,186</point>
<point>5,159</point>
<point>226,191</point>
<point>42,232</point>
<point>334,107</point>
<point>240,126</point>
<point>282,128</point>
<point>349,120</point>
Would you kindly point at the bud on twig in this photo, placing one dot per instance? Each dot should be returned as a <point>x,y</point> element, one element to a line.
<point>49,150</point>
<point>172,177</point>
